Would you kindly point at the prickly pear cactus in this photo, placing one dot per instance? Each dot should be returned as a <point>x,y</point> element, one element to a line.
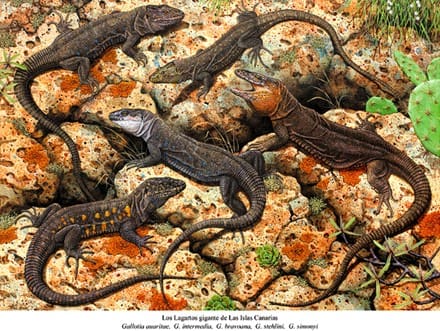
<point>433,69</point>
<point>380,105</point>
<point>424,111</point>
<point>410,68</point>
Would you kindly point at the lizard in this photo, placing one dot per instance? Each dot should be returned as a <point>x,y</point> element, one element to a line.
<point>67,227</point>
<point>202,67</point>
<point>75,50</point>
<point>337,147</point>
<point>207,164</point>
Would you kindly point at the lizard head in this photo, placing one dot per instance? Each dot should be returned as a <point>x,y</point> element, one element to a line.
<point>137,122</point>
<point>160,18</point>
<point>154,192</point>
<point>166,74</point>
<point>265,93</point>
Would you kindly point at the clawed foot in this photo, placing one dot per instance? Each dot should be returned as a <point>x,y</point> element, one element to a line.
<point>143,243</point>
<point>365,124</point>
<point>135,164</point>
<point>77,255</point>
<point>385,198</point>
<point>141,59</point>
<point>255,56</point>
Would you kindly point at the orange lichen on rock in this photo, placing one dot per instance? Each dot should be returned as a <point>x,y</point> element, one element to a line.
<point>110,56</point>
<point>323,184</point>
<point>307,164</point>
<point>122,89</point>
<point>429,225</point>
<point>95,264</point>
<point>352,176</point>
<point>8,235</point>
<point>157,302</point>
<point>298,252</point>
<point>34,155</point>
<point>115,245</point>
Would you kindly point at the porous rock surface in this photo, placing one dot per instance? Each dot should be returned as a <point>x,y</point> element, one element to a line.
<point>302,56</point>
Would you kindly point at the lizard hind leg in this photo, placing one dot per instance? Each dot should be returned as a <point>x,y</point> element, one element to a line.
<point>378,174</point>
<point>71,237</point>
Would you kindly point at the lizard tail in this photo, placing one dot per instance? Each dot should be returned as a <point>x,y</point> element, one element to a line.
<point>413,174</point>
<point>34,278</point>
<point>254,189</point>
<point>23,80</point>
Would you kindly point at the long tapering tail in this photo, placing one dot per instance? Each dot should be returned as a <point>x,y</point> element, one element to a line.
<point>23,80</point>
<point>254,189</point>
<point>414,175</point>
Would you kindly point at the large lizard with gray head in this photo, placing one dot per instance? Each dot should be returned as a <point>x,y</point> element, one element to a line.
<point>76,49</point>
<point>67,227</point>
<point>202,67</point>
<point>202,162</point>
<point>338,147</point>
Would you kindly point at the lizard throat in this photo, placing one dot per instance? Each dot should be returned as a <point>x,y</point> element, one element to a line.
<point>287,105</point>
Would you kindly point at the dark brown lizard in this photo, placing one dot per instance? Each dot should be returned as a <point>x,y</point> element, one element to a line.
<point>76,49</point>
<point>202,67</point>
<point>67,227</point>
<point>337,147</point>
<point>202,162</point>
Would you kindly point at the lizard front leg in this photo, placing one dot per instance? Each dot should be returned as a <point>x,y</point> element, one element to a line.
<point>80,64</point>
<point>256,45</point>
<point>128,47</point>
<point>154,157</point>
<point>128,233</point>
<point>270,141</point>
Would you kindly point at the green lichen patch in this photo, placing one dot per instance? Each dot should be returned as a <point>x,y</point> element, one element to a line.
<point>7,220</point>
<point>7,40</point>
<point>163,229</point>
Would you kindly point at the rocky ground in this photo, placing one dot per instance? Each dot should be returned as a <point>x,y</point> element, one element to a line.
<point>303,196</point>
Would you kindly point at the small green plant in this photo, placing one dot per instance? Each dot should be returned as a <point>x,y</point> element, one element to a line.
<point>316,205</point>
<point>217,5</point>
<point>7,67</point>
<point>220,302</point>
<point>386,17</point>
<point>273,183</point>
<point>393,263</point>
<point>344,228</point>
<point>268,255</point>
<point>424,101</point>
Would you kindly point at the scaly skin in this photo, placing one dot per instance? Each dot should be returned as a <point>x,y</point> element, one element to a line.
<point>202,162</point>
<point>338,147</point>
<point>202,67</point>
<point>76,49</point>
<point>67,227</point>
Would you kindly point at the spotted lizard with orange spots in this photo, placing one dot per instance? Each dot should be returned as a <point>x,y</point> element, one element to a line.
<point>67,227</point>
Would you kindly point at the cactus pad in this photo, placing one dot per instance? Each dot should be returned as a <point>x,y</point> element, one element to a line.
<point>434,69</point>
<point>424,111</point>
<point>380,105</point>
<point>410,68</point>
